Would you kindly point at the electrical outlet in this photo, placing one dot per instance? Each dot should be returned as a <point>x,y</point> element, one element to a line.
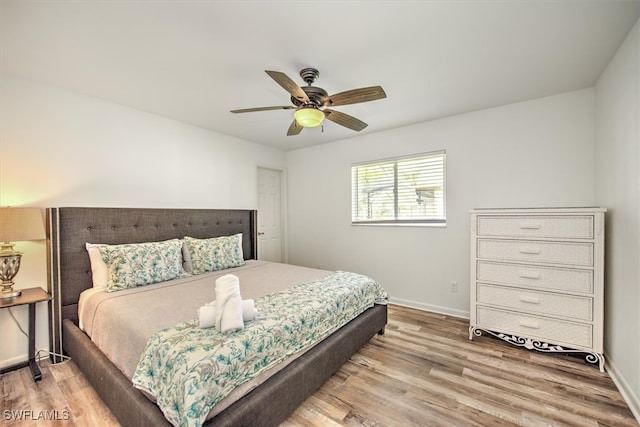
<point>453,286</point>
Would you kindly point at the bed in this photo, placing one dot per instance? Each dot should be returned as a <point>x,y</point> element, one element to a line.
<point>70,274</point>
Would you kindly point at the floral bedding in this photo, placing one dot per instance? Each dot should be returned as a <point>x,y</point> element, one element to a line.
<point>188,369</point>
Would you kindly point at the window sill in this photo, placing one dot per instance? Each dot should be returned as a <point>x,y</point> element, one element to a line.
<point>399,224</point>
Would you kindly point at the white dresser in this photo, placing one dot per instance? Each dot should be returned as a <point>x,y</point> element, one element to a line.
<point>537,278</point>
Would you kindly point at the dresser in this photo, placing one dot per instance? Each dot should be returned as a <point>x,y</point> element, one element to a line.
<point>537,278</point>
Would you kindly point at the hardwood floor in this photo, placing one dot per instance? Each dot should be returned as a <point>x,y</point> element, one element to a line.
<point>423,371</point>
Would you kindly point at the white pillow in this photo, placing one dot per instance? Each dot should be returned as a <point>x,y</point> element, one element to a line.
<point>186,259</point>
<point>99,270</point>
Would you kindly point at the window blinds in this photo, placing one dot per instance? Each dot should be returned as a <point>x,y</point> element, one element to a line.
<point>400,190</point>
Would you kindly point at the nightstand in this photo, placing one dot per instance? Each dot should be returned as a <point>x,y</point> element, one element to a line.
<point>30,296</point>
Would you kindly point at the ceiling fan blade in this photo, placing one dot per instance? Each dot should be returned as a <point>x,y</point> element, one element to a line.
<point>294,128</point>
<point>355,96</point>
<point>251,110</point>
<point>289,85</point>
<point>344,120</point>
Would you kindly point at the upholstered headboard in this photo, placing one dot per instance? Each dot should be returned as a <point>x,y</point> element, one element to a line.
<point>68,229</point>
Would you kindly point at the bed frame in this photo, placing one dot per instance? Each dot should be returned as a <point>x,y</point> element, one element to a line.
<point>68,229</point>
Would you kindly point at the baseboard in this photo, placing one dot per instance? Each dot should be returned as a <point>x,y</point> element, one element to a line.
<point>23,358</point>
<point>633,401</point>
<point>429,307</point>
<point>13,361</point>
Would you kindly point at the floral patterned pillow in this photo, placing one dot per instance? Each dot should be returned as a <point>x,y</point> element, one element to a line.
<point>139,264</point>
<point>216,253</point>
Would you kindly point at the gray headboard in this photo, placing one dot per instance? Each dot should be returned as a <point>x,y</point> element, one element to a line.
<point>68,229</point>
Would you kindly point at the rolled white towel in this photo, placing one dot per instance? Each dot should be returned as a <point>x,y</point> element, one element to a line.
<point>207,316</point>
<point>249,311</point>
<point>228,304</point>
<point>207,313</point>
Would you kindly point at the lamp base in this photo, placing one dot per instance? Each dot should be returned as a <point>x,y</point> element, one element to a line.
<point>10,294</point>
<point>9,266</point>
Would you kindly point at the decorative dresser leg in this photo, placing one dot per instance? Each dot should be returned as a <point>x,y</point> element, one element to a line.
<point>595,357</point>
<point>473,331</point>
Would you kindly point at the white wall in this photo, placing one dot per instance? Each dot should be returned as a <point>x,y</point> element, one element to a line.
<point>617,95</point>
<point>59,148</point>
<point>531,154</point>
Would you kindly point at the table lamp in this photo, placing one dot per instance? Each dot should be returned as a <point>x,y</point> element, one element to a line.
<point>16,225</point>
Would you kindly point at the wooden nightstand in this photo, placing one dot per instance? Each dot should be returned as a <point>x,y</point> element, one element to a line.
<point>30,296</point>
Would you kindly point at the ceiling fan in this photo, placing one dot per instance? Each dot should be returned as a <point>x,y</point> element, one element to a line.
<point>310,102</point>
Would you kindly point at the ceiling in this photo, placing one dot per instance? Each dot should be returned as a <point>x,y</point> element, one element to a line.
<point>193,61</point>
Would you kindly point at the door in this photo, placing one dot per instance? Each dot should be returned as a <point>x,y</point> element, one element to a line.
<point>269,215</point>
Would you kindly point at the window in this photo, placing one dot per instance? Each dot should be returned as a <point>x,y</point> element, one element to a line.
<point>408,190</point>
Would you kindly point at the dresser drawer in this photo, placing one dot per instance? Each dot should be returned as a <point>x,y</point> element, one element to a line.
<point>569,253</point>
<point>563,227</point>
<point>537,327</point>
<point>576,307</point>
<point>536,277</point>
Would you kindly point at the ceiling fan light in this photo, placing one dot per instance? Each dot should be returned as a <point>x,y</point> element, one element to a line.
<point>309,117</point>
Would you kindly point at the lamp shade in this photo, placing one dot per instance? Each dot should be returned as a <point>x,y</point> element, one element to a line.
<point>20,224</point>
<point>309,117</point>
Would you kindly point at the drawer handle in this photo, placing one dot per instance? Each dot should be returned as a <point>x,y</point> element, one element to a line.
<point>528,323</point>
<point>529,299</point>
<point>530,226</point>
<point>530,275</point>
<point>530,250</point>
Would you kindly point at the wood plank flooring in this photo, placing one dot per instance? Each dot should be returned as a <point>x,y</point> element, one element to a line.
<point>423,372</point>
